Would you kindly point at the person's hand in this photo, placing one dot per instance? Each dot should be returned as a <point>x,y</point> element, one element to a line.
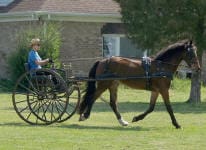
<point>50,60</point>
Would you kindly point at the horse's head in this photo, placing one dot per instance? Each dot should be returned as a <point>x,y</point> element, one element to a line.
<point>191,56</point>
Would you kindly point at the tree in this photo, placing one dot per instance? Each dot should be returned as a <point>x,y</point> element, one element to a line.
<point>156,23</point>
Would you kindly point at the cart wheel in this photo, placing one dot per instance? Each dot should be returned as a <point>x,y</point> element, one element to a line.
<point>36,98</point>
<point>73,102</point>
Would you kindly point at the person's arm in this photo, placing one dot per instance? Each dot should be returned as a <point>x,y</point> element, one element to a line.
<point>42,62</point>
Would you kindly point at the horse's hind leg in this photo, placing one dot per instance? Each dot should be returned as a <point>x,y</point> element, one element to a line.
<point>113,102</point>
<point>153,99</point>
<point>101,87</point>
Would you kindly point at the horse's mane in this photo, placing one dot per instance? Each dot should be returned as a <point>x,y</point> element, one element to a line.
<point>170,50</point>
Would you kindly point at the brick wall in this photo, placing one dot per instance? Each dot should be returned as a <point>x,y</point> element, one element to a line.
<point>8,35</point>
<point>79,40</point>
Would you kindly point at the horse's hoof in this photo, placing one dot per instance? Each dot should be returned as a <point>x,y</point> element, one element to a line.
<point>82,118</point>
<point>134,119</point>
<point>123,122</point>
<point>178,127</point>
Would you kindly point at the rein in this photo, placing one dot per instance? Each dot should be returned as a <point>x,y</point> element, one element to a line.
<point>186,66</point>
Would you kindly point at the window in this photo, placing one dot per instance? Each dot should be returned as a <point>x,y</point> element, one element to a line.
<point>111,45</point>
<point>5,2</point>
<point>119,45</point>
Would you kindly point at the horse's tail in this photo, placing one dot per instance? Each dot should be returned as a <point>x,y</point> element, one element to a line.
<point>91,88</point>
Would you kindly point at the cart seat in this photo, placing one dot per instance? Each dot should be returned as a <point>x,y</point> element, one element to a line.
<point>26,66</point>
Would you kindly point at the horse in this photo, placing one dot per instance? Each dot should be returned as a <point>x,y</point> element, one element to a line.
<point>155,77</point>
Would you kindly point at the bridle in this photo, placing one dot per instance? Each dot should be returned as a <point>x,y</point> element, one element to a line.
<point>190,55</point>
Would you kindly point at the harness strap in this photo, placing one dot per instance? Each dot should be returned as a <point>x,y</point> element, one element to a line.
<point>106,68</point>
<point>146,64</point>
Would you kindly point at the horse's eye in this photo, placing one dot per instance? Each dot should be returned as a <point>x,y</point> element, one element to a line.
<point>189,49</point>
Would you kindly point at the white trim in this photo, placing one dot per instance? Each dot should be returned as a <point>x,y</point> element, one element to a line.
<point>86,17</point>
<point>117,50</point>
<point>59,16</point>
<point>113,35</point>
<point>12,17</point>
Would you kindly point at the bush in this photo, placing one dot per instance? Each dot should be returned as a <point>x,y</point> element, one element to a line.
<point>50,45</point>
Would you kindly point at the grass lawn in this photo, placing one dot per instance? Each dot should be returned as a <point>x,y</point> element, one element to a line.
<point>102,131</point>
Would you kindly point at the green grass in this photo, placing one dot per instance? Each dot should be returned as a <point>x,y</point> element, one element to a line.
<point>103,132</point>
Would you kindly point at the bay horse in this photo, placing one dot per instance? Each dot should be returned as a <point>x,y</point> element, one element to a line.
<point>161,69</point>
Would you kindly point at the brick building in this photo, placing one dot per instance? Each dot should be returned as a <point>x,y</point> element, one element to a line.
<point>90,29</point>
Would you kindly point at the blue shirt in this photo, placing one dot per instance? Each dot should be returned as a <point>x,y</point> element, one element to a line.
<point>33,56</point>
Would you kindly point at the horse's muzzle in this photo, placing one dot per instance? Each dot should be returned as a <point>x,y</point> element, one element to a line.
<point>198,70</point>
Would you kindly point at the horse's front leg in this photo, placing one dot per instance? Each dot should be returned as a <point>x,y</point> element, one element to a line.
<point>153,99</point>
<point>165,96</point>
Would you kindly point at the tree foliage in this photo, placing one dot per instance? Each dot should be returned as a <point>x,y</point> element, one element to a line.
<point>154,23</point>
<point>50,44</point>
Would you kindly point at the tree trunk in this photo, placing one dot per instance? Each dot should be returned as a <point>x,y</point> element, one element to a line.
<point>195,92</point>
<point>203,68</point>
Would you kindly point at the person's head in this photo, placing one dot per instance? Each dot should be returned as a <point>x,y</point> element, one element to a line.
<point>35,44</point>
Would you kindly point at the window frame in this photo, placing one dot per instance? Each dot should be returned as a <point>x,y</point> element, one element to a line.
<point>5,3</point>
<point>117,45</point>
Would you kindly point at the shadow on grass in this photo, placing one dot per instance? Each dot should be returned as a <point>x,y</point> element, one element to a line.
<point>118,128</point>
<point>82,127</point>
<point>178,107</point>
<point>20,124</point>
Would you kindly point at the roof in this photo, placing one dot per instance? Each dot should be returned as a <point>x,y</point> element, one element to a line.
<point>76,6</point>
<point>95,8</point>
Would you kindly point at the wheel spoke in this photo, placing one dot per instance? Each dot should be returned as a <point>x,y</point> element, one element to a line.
<point>21,101</point>
<point>37,84</point>
<point>52,114</point>
<point>34,105</point>
<point>57,108</point>
<point>29,81</point>
<point>71,105</point>
<point>28,115</point>
<point>68,113</point>
<point>60,103</point>
<point>26,88</point>
<point>45,111</point>
<point>24,109</point>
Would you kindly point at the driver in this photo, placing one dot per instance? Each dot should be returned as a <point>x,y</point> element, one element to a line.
<point>34,60</point>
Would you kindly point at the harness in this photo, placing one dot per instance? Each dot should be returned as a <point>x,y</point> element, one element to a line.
<point>146,64</point>
<point>148,75</point>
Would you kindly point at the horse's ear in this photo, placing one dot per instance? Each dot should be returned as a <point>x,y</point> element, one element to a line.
<point>190,42</point>
<point>188,45</point>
